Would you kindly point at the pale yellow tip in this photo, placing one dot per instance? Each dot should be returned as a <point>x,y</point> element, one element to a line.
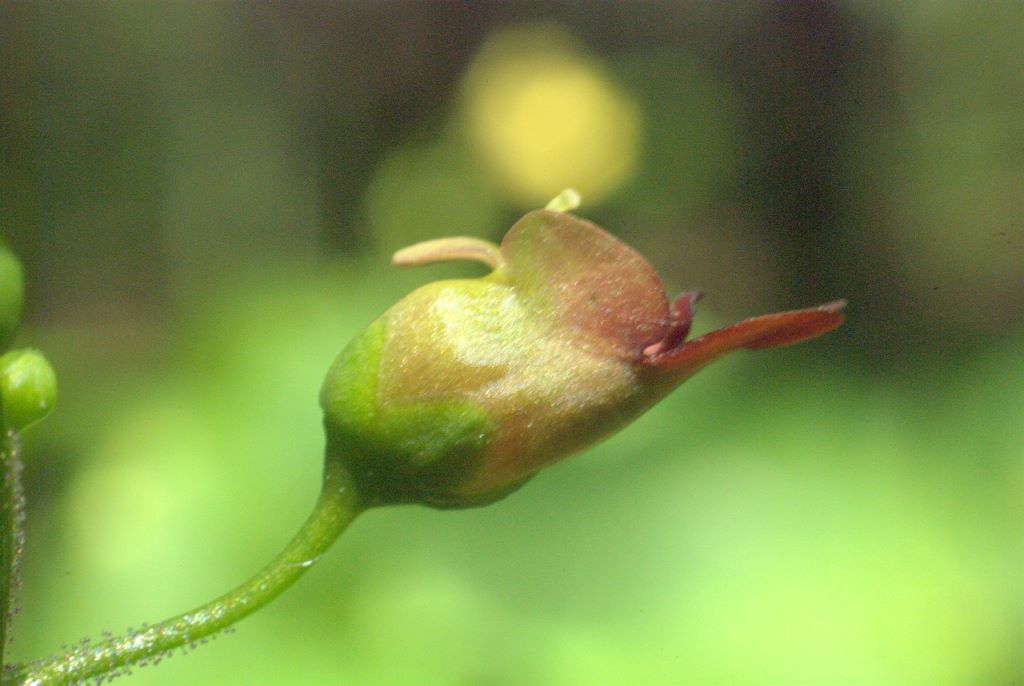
<point>566,201</point>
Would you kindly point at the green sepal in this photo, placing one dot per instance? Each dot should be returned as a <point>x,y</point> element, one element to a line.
<point>12,292</point>
<point>412,453</point>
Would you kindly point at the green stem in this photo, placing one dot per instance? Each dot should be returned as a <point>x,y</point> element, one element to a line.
<point>338,505</point>
<point>12,531</point>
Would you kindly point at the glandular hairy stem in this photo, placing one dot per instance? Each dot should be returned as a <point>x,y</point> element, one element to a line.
<point>337,506</point>
<point>12,532</point>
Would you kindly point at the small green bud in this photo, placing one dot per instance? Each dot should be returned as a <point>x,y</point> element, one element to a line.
<point>28,388</point>
<point>11,293</point>
<point>464,389</point>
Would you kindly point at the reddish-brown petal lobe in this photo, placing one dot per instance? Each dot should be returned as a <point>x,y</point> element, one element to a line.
<point>680,320</point>
<point>767,331</point>
<point>587,281</point>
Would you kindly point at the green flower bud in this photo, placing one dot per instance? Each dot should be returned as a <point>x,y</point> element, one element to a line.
<point>11,293</point>
<point>28,388</point>
<point>466,388</point>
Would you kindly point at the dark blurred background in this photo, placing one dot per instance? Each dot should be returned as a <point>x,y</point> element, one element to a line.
<point>205,196</point>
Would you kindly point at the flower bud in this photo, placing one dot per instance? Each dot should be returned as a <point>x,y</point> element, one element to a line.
<point>11,293</point>
<point>466,388</point>
<point>28,388</point>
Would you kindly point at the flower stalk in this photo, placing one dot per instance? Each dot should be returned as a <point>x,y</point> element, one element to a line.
<point>337,506</point>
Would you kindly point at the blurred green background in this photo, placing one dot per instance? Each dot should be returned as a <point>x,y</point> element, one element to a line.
<point>205,196</point>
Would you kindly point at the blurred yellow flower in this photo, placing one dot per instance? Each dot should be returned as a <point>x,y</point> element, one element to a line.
<point>543,116</point>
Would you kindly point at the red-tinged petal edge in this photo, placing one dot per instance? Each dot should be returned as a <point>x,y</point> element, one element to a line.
<point>767,331</point>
